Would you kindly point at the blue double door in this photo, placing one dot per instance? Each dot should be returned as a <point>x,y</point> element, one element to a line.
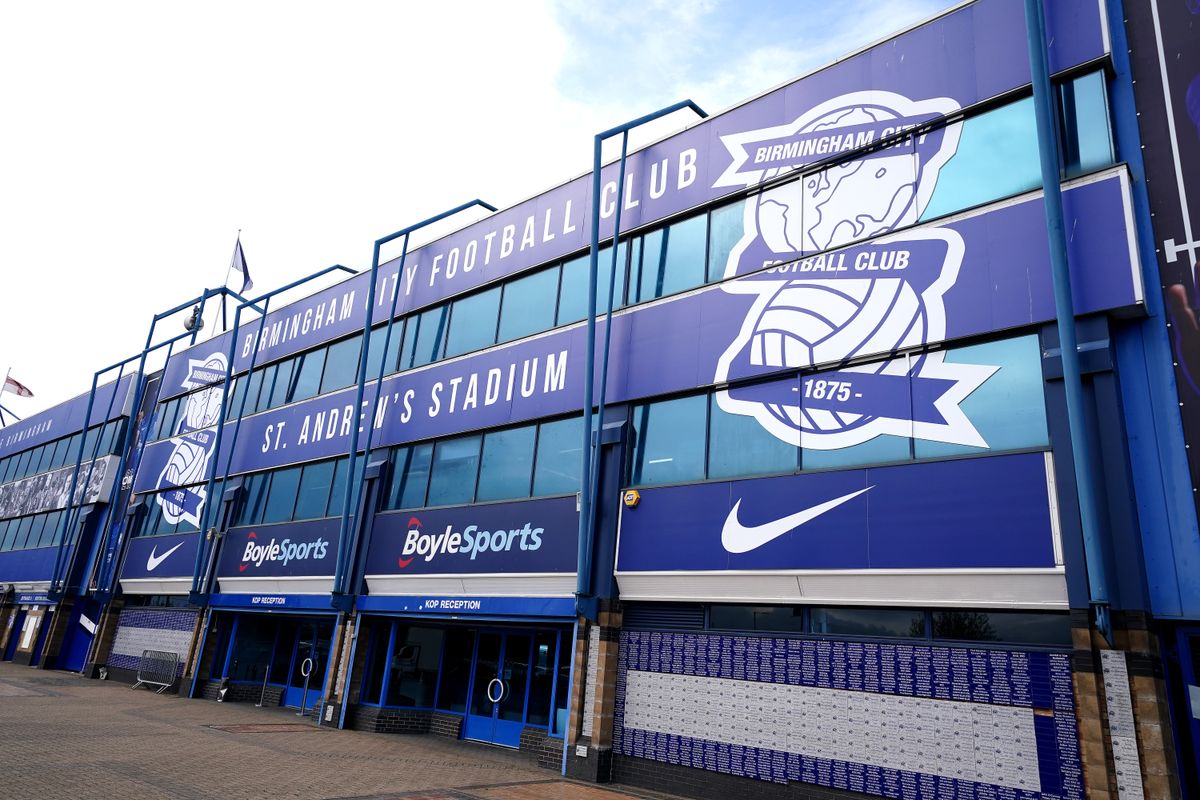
<point>499,687</point>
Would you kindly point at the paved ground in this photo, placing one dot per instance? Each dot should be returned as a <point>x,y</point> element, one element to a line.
<point>71,738</point>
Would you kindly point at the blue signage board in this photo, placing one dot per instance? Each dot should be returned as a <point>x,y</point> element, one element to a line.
<point>273,602</point>
<point>563,607</point>
<point>959,281</point>
<point>33,599</point>
<point>958,60</point>
<point>532,536</point>
<point>161,557</point>
<point>36,564</point>
<point>112,401</point>
<point>277,551</point>
<point>973,513</point>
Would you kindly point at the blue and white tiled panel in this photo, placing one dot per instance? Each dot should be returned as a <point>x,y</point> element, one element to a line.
<point>677,703</point>
<point>141,629</point>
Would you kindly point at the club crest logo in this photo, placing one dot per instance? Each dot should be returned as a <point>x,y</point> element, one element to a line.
<point>193,440</point>
<point>825,301</point>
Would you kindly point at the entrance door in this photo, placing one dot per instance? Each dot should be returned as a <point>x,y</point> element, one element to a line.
<point>310,655</point>
<point>496,712</point>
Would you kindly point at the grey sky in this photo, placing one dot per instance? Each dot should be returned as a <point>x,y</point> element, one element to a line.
<point>138,137</point>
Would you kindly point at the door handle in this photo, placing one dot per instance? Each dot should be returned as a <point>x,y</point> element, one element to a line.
<point>499,684</point>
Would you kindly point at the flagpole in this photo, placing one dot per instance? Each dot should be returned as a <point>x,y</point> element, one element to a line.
<point>4,385</point>
<point>228,272</point>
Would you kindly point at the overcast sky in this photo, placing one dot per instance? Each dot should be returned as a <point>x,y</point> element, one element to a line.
<point>137,138</point>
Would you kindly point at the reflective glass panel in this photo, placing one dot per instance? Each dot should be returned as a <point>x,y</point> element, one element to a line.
<point>306,382</point>
<point>869,622</point>
<point>254,495</point>
<point>726,228</point>
<point>410,476</point>
<point>455,464</point>
<point>376,354</point>
<point>281,498</point>
<point>572,297</point>
<point>1008,410</point>
<point>1021,627</point>
<point>507,464</point>
<point>528,305</point>
<point>669,260</point>
<point>757,618</point>
<point>456,670</point>
<point>997,156</point>
<point>341,365</point>
<point>473,322</point>
<point>556,468</point>
<point>1087,133</point>
<point>414,667</point>
<point>740,445</point>
<point>313,498</point>
<point>283,382</point>
<point>669,440</point>
<point>423,337</point>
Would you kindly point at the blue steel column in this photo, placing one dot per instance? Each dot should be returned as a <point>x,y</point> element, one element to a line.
<point>1081,445</point>
<point>354,492</point>
<point>587,487</point>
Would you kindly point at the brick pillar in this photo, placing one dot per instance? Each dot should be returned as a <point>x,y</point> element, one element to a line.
<point>592,703</point>
<point>106,634</point>
<point>338,677</point>
<point>1103,676</point>
<point>8,617</point>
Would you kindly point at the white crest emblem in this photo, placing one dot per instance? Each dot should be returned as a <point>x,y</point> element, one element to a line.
<point>193,442</point>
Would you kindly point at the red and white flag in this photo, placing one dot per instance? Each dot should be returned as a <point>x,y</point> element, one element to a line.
<point>13,385</point>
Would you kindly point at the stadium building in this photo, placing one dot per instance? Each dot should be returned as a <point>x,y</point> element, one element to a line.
<point>852,523</point>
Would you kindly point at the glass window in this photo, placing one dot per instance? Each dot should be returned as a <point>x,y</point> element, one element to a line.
<point>473,322</point>
<point>337,492</point>
<point>21,540</point>
<point>36,525</point>
<point>740,445</point>
<point>313,498</point>
<point>423,337</point>
<point>268,386</point>
<point>283,382</point>
<point>281,499</point>
<point>556,469</point>
<point>414,667</point>
<point>455,466</point>
<point>376,354</point>
<point>376,663</point>
<point>572,297</point>
<point>869,622</point>
<point>789,619</point>
<point>997,156</point>
<point>827,398</point>
<point>23,464</point>
<point>7,531</point>
<point>54,527</point>
<point>253,389</point>
<point>1003,626</point>
<point>726,228</point>
<point>1008,410</point>
<point>254,495</point>
<point>341,367</point>
<point>1087,134</point>
<point>541,677</point>
<point>456,670</point>
<point>507,464</point>
<point>41,458</point>
<point>669,441</point>
<point>529,304</point>
<point>306,382</point>
<point>669,260</point>
<point>410,476</point>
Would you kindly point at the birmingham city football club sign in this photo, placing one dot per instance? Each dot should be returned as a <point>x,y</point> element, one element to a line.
<point>817,305</point>
<point>193,442</point>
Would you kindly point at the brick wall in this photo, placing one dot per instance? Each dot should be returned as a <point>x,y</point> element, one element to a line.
<point>376,719</point>
<point>543,749</point>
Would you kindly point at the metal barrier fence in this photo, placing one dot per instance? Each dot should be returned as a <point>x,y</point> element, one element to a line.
<point>157,668</point>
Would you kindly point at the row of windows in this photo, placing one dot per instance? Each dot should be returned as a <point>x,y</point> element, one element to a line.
<point>693,438</point>
<point>63,452</point>
<point>996,156</point>
<point>1009,627</point>
<point>37,530</point>
<point>411,666</point>
<point>532,460</point>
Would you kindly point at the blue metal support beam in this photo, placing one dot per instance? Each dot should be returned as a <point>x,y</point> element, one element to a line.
<point>591,453</point>
<point>342,597</point>
<point>199,590</point>
<point>1081,445</point>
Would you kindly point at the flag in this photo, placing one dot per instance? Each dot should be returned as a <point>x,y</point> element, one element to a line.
<point>239,265</point>
<point>13,385</point>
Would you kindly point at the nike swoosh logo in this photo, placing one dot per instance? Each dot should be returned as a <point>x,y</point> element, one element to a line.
<point>404,562</point>
<point>154,560</point>
<point>738,538</point>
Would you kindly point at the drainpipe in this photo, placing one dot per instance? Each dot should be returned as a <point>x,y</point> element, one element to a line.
<point>1081,444</point>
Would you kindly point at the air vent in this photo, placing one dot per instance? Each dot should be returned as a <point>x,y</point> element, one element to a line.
<point>663,617</point>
